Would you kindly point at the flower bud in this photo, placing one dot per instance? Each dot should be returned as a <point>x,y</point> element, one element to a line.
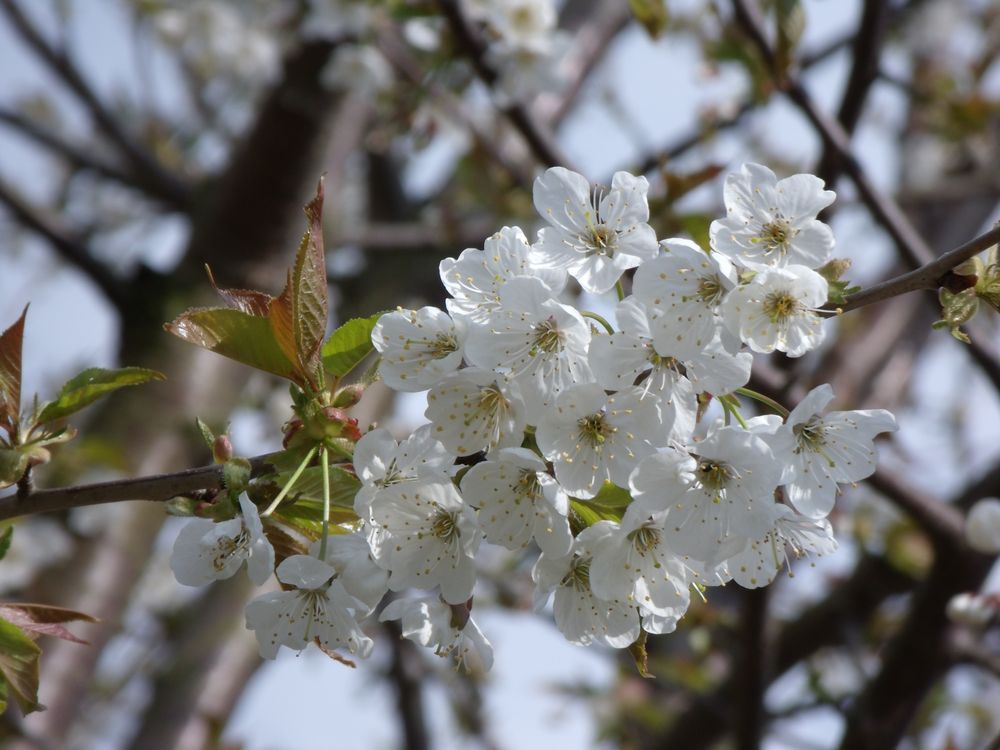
<point>348,396</point>
<point>222,449</point>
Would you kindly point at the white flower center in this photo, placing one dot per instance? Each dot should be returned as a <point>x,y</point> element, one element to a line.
<point>578,576</point>
<point>548,337</point>
<point>594,429</point>
<point>445,526</point>
<point>776,235</point>
<point>226,547</point>
<point>645,538</point>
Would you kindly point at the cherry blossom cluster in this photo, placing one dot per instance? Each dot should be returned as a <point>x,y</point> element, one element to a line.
<point>596,445</point>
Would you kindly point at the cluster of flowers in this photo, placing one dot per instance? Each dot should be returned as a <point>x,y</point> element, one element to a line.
<point>558,414</point>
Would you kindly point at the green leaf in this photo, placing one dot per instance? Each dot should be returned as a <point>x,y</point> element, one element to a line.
<point>343,486</point>
<point>5,538</point>
<point>19,666</point>
<point>348,345</point>
<point>85,388</point>
<point>299,314</point>
<point>248,339</point>
<point>611,499</point>
<point>11,346</point>
<point>652,14</point>
<point>42,619</point>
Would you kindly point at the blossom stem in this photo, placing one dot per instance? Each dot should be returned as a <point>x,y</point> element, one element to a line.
<point>291,483</point>
<point>324,458</point>
<point>766,400</point>
<point>729,405</point>
<point>599,319</point>
<point>620,290</point>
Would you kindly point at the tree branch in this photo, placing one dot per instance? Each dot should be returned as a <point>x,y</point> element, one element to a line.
<point>74,155</point>
<point>928,276</point>
<point>156,488</point>
<point>541,142</point>
<point>147,173</point>
<point>886,211</point>
<point>68,248</point>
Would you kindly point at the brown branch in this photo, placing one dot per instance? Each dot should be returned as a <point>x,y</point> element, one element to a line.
<point>75,156</point>
<point>928,276</point>
<point>867,48</point>
<point>541,142</point>
<point>751,669</point>
<point>886,211</point>
<point>69,248</point>
<point>155,488</point>
<point>147,173</point>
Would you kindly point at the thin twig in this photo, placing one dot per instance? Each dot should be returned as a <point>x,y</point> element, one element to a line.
<point>927,276</point>
<point>67,247</point>
<point>148,173</point>
<point>156,488</point>
<point>73,154</point>
<point>542,143</point>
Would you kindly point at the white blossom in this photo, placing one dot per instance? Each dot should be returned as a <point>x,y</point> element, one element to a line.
<point>350,557</point>
<point>425,535</point>
<point>591,437</point>
<point>380,462</point>
<point>818,451</point>
<point>777,310</point>
<point>476,410</point>
<point>518,501</point>
<point>431,623</point>
<point>684,286</point>
<point>633,561</point>
<point>595,237</point>
<point>718,492</point>
<point>418,347</point>
<point>206,551</point>
<point>773,222</point>
<point>474,279</point>
<point>540,343</point>
<point>982,526</point>
<point>318,608</point>
<point>758,563</point>
<point>580,615</point>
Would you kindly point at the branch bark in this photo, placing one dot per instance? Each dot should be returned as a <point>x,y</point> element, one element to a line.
<point>541,142</point>
<point>148,174</point>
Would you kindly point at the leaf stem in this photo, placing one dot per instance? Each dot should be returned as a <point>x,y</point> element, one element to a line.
<point>766,400</point>
<point>599,319</point>
<point>324,458</point>
<point>291,483</point>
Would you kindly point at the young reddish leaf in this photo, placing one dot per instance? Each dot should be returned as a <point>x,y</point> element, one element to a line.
<point>235,334</point>
<point>299,314</point>
<point>19,666</point>
<point>11,345</point>
<point>246,300</point>
<point>41,619</point>
<point>85,388</point>
<point>348,345</point>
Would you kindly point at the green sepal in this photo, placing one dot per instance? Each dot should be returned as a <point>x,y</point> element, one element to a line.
<point>13,464</point>
<point>206,433</point>
<point>236,476</point>
<point>88,386</point>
